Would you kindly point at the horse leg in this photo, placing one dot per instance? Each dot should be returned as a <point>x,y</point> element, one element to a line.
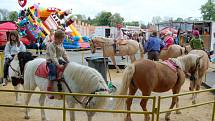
<point>133,58</point>
<point>17,94</point>
<point>174,101</point>
<point>143,104</point>
<point>197,87</point>
<point>27,99</point>
<point>42,101</point>
<point>114,63</point>
<point>132,91</point>
<point>71,104</point>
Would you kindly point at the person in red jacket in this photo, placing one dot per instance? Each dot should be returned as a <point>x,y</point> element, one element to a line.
<point>169,40</point>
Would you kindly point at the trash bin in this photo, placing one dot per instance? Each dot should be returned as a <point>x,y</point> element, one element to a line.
<point>100,64</point>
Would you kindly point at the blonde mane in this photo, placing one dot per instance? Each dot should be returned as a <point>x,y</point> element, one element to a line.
<point>185,62</point>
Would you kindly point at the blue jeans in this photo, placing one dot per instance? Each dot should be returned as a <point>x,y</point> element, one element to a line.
<point>6,66</point>
<point>52,71</point>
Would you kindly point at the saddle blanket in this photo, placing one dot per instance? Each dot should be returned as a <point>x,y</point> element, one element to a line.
<point>170,64</point>
<point>43,70</point>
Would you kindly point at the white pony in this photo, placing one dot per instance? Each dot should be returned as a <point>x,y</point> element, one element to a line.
<point>80,79</point>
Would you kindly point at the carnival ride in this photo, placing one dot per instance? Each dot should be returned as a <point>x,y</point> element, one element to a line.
<point>35,22</point>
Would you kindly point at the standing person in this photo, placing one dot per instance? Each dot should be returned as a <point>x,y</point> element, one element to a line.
<point>118,38</point>
<point>55,52</point>
<point>13,47</point>
<point>39,45</point>
<point>196,42</point>
<point>153,47</point>
<point>49,38</point>
<point>169,40</point>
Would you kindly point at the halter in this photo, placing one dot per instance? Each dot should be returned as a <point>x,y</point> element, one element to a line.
<point>16,71</point>
<point>88,100</point>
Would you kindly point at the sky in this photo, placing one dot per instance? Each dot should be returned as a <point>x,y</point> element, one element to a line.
<point>131,10</point>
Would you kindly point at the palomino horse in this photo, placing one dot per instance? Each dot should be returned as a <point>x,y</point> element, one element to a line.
<point>15,75</point>
<point>128,47</point>
<point>149,76</point>
<point>173,51</point>
<point>78,79</point>
<point>204,64</point>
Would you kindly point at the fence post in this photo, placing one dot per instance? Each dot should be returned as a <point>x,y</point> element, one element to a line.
<point>64,107</point>
<point>158,108</point>
<point>153,108</point>
<point>1,65</point>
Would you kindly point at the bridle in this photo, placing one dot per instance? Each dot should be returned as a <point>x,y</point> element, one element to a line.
<point>16,71</point>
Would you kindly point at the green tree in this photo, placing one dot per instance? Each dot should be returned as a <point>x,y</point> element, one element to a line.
<point>179,19</point>
<point>208,11</point>
<point>103,19</point>
<point>13,16</point>
<point>132,23</point>
<point>116,19</point>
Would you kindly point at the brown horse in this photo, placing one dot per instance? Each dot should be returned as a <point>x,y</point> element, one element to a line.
<point>149,76</point>
<point>173,51</point>
<point>204,64</point>
<point>127,47</point>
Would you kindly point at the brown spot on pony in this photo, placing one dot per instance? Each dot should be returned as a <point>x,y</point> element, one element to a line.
<point>173,51</point>
<point>148,76</point>
<point>130,49</point>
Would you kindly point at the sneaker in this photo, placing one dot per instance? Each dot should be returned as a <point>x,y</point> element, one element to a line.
<point>4,83</point>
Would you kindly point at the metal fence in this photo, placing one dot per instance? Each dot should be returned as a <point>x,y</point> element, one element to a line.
<point>154,111</point>
<point>64,108</point>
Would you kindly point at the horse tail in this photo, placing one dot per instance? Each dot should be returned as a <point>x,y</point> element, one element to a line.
<point>127,77</point>
<point>141,50</point>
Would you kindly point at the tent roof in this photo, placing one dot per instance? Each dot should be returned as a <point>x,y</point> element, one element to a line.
<point>8,26</point>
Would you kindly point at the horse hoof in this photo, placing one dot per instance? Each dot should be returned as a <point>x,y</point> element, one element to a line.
<point>147,118</point>
<point>193,102</point>
<point>27,117</point>
<point>128,119</point>
<point>167,117</point>
<point>178,112</point>
<point>17,103</point>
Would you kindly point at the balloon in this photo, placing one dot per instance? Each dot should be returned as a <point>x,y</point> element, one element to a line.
<point>22,3</point>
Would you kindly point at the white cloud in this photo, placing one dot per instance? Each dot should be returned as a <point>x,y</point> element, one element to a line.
<point>131,10</point>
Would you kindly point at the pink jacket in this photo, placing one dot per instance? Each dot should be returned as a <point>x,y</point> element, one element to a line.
<point>169,40</point>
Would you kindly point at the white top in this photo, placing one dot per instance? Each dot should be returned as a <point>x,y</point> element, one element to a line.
<point>14,49</point>
<point>119,35</point>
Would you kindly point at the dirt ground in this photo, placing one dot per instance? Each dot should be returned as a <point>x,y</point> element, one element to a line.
<point>202,113</point>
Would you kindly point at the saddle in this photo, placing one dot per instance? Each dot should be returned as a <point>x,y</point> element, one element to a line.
<point>43,70</point>
<point>170,64</point>
<point>123,42</point>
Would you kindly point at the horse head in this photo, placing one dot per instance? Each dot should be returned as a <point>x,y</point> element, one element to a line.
<point>23,58</point>
<point>97,42</point>
<point>191,64</point>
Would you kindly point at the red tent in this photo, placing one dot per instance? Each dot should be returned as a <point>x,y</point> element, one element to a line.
<point>8,26</point>
<point>167,29</point>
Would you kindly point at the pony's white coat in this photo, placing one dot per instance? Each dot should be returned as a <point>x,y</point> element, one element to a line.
<point>80,78</point>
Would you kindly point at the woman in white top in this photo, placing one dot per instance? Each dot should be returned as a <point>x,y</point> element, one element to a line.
<point>13,47</point>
